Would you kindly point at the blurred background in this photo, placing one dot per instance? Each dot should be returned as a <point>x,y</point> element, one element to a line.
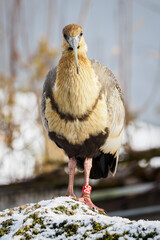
<point>122,34</point>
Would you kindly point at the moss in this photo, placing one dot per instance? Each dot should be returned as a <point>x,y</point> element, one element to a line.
<point>86,235</point>
<point>64,228</point>
<point>109,237</point>
<point>54,226</point>
<point>35,231</point>
<point>37,205</point>
<point>27,211</point>
<point>6,227</point>
<point>150,235</point>
<point>147,236</point>
<point>64,210</point>
<point>71,229</point>
<point>58,233</point>
<point>10,213</point>
<point>113,236</point>
<point>33,208</point>
<point>4,231</point>
<point>62,224</point>
<point>27,236</point>
<point>19,232</point>
<point>46,211</point>
<point>36,220</point>
<point>74,207</point>
<point>96,226</point>
<point>27,228</point>
<point>21,208</point>
<point>102,212</point>
<point>7,223</point>
<point>84,210</point>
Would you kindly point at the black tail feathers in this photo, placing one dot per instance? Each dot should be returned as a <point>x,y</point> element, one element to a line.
<point>101,165</point>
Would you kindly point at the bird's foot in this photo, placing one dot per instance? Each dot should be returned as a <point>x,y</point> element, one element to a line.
<point>71,195</point>
<point>87,200</point>
<point>85,197</point>
<point>54,197</point>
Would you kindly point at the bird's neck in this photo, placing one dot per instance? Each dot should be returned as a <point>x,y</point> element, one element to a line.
<point>75,93</point>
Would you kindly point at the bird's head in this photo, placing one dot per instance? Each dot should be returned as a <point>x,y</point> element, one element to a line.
<point>73,40</point>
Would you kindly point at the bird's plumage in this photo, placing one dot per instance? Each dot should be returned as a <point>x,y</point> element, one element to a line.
<point>84,113</point>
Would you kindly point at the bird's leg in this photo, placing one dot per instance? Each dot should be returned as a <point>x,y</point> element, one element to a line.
<point>71,167</point>
<point>85,196</point>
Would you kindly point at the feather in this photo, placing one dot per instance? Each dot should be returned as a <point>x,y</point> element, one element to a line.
<point>97,131</point>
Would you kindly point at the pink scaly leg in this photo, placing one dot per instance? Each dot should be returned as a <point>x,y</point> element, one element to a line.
<point>71,167</point>
<point>85,196</point>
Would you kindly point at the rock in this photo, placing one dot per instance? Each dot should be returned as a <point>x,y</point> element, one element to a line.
<point>66,218</point>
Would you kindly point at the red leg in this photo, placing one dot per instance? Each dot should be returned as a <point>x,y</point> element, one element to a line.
<point>71,167</point>
<point>85,196</point>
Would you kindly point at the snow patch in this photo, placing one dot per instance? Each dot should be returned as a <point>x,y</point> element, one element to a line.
<point>66,218</point>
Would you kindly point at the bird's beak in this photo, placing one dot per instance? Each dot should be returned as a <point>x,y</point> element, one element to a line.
<point>73,42</point>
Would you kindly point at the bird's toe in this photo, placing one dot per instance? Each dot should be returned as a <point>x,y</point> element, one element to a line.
<point>71,195</point>
<point>87,200</point>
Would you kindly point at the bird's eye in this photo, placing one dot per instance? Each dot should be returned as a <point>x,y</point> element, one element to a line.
<point>81,34</point>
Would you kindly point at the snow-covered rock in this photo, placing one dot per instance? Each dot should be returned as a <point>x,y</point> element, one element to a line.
<point>66,218</point>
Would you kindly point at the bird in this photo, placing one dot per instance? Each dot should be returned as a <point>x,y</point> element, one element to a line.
<point>82,109</point>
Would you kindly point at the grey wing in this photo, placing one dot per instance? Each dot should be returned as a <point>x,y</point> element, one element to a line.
<point>115,108</point>
<point>47,93</point>
<point>107,78</point>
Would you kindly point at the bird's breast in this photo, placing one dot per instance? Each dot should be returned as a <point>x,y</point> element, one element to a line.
<point>75,130</point>
<point>75,94</point>
<point>76,111</point>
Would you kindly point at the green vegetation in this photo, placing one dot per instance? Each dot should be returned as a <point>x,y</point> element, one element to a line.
<point>69,219</point>
<point>63,209</point>
<point>5,229</point>
<point>31,228</point>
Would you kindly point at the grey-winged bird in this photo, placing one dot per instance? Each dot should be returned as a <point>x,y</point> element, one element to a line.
<point>83,112</point>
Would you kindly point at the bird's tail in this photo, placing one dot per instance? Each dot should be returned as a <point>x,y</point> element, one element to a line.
<point>101,165</point>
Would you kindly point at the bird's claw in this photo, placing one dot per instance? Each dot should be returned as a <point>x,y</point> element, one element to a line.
<point>87,200</point>
<point>71,195</point>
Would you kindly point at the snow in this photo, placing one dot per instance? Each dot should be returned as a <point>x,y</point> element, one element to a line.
<point>79,220</point>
